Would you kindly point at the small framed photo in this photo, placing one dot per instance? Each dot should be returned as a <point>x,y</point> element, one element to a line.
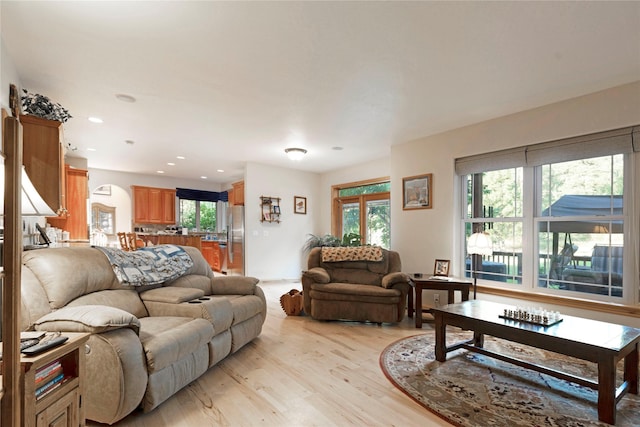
<point>417,192</point>
<point>300,205</point>
<point>103,190</point>
<point>266,216</point>
<point>441,268</point>
<point>276,210</point>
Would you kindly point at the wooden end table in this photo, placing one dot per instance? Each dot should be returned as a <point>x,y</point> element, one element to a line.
<point>438,283</point>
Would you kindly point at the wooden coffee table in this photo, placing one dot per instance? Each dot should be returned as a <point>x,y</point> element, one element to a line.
<point>448,284</point>
<point>599,342</point>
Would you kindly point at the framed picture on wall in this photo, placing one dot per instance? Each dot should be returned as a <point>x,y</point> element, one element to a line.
<point>300,205</point>
<point>417,192</point>
<point>103,190</point>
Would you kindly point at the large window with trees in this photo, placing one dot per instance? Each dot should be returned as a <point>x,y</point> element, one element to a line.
<point>561,216</point>
<point>362,212</point>
<point>198,208</point>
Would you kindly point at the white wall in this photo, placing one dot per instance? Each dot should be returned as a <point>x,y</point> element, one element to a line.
<point>369,170</point>
<point>8,75</point>
<point>424,235</point>
<point>421,236</point>
<point>98,177</point>
<point>274,250</point>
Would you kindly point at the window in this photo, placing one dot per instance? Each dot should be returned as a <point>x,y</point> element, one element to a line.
<point>197,215</point>
<point>363,209</point>
<point>198,208</point>
<point>558,214</point>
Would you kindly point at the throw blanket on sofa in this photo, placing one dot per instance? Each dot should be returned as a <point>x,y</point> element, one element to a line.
<point>148,266</point>
<point>352,253</point>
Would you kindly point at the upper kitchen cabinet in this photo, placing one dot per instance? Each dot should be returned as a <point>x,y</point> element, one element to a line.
<point>238,193</point>
<point>43,159</point>
<point>77,192</point>
<point>154,205</point>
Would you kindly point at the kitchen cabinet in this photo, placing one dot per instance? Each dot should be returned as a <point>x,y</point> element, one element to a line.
<point>171,239</point>
<point>154,205</point>
<point>212,252</point>
<point>43,159</point>
<point>238,193</point>
<point>74,219</point>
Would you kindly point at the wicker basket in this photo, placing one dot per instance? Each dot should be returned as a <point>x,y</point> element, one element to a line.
<point>292,302</point>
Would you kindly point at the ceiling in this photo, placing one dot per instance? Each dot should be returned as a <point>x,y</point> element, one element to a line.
<point>225,83</point>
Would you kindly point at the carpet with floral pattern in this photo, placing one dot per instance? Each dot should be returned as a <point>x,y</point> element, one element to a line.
<point>470,389</point>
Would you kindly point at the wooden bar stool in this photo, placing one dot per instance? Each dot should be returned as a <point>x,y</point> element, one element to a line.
<point>134,242</point>
<point>122,237</point>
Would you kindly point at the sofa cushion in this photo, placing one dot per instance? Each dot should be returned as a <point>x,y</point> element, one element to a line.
<point>234,285</point>
<point>124,299</point>
<point>355,292</point>
<point>67,273</point>
<point>200,265</point>
<point>87,318</point>
<point>245,307</point>
<point>171,295</point>
<point>168,339</point>
<point>196,281</point>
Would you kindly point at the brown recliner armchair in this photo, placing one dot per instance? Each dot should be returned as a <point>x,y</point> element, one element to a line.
<point>344,284</point>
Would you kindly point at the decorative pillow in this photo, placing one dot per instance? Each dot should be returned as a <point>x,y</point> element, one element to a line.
<point>87,318</point>
<point>351,253</point>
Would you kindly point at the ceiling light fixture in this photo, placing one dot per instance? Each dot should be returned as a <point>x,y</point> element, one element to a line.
<point>295,153</point>
<point>95,120</point>
<point>180,157</point>
<point>171,164</point>
<point>125,98</point>
<point>203,177</point>
<point>220,170</point>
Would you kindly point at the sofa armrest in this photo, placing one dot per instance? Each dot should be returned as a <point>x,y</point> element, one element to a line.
<point>317,274</point>
<point>392,279</point>
<point>94,319</point>
<point>115,375</point>
<point>233,285</point>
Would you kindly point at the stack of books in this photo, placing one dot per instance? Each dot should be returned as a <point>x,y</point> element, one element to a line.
<point>48,378</point>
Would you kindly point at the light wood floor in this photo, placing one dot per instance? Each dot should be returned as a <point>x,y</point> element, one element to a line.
<point>298,372</point>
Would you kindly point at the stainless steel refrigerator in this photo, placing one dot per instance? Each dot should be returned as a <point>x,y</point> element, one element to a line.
<point>235,241</point>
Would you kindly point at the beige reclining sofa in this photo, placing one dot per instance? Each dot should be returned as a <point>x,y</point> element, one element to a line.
<point>147,342</point>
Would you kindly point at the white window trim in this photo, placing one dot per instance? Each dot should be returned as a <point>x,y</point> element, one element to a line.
<point>629,140</point>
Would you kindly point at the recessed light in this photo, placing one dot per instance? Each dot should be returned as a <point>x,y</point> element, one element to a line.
<point>180,157</point>
<point>91,149</point>
<point>125,98</point>
<point>220,170</point>
<point>171,164</point>
<point>203,177</point>
<point>95,120</point>
<point>160,171</point>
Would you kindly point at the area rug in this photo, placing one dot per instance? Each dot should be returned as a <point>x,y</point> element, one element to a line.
<point>470,389</point>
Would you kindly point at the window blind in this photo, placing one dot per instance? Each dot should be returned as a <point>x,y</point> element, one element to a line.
<point>201,195</point>
<point>618,141</point>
